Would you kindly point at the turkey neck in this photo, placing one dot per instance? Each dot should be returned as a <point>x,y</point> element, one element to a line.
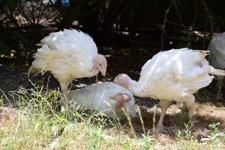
<point>136,88</point>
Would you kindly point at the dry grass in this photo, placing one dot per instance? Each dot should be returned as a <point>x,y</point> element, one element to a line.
<point>36,124</point>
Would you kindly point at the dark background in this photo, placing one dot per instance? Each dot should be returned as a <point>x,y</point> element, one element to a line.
<point>128,32</point>
<point>172,23</point>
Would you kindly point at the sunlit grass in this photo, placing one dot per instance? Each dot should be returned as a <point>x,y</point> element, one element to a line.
<point>39,125</point>
<point>35,122</point>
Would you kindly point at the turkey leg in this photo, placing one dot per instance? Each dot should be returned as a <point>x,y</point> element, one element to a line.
<point>164,105</point>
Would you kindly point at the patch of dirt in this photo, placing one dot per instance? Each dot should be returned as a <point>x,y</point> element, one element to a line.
<point>206,113</point>
<point>7,115</point>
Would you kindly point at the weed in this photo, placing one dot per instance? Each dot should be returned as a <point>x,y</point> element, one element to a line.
<point>185,134</point>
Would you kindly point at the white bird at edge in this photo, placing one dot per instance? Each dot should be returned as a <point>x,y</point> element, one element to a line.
<point>172,75</point>
<point>68,54</point>
<point>217,58</point>
<point>104,97</point>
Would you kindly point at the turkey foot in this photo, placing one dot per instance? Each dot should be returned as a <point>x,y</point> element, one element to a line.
<point>191,123</point>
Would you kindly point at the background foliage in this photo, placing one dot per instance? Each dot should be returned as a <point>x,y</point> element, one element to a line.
<point>185,22</point>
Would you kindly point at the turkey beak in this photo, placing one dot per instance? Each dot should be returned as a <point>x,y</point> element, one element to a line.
<point>103,71</point>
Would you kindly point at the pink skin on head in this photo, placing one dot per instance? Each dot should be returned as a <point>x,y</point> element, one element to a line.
<point>121,98</point>
<point>100,64</point>
<point>122,80</point>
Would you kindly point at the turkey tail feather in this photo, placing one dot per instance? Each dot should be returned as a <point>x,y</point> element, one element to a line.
<point>215,71</point>
<point>39,44</point>
<point>205,52</point>
<point>33,71</point>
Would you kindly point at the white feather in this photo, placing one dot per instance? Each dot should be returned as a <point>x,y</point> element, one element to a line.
<point>217,57</point>
<point>173,75</point>
<point>97,97</point>
<point>217,48</point>
<point>67,55</point>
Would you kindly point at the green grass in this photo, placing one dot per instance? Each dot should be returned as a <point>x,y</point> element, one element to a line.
<point>35,123</point>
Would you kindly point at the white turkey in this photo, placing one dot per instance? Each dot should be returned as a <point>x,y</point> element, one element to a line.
<point>217,57</point>
<point>172,75</point>
<point>105,97</point>
<point>68,54</point>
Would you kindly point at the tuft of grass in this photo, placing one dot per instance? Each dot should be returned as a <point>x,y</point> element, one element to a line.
<point>39,124</point>
<point>36,122</point>
<point>184,134</point>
